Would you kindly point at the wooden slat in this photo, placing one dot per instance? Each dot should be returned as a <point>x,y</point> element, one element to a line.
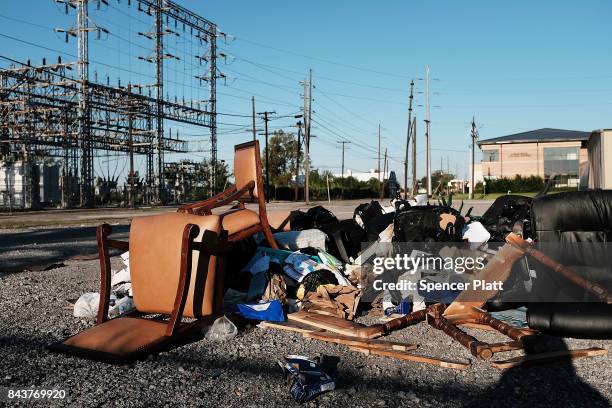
<point>360,342</point>
<point>289,326</point>
<point>332,324</point>
<point>456,365</point>
<point>549,357</point>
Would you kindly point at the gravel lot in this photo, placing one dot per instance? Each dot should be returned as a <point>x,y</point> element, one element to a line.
<point>34,312</point>
<point>243,372</point>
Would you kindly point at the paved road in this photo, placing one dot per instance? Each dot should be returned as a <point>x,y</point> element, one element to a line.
<point>42,239</point>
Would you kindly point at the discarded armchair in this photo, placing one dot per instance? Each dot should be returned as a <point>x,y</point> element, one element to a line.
<point>175,273</point>
<point>240,222</point>
<point>575,228</point>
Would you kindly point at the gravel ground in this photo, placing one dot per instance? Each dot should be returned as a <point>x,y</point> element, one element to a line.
<point>243,371</point>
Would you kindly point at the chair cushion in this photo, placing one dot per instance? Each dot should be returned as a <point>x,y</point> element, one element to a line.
<point>234,221</point>
<point>155,260</point>
<point>115,340</point>
<point>246,165</point>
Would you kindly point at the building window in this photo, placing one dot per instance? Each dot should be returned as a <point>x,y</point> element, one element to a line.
<point>564,162</point>
<point>490,155</point>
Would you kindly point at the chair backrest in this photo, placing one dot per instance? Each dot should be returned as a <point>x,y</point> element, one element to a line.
<point>155,260</point>
<point>247,166</point>
<point>581,216</point>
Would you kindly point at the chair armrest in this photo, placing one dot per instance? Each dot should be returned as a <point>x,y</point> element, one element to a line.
<point>102,233</point>
<point>104,243</point>
<point>200,205</point>
<point>217,201</point>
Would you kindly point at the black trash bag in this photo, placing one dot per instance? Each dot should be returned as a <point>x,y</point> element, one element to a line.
<point>367,211</point>
<point>321,216</point>
<point>376,225</point>
<point>422,224</point>
<point>299,220</point>
<point>504,213</point>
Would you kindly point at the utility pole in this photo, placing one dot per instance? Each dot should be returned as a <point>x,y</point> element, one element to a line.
<point>427,132</point>
<point>307,125</point>
<point>213,106</point>
<point>414,166</point>
<point>297,161</point>
<point>408,140</point>
<point>266,119</point>
<point>382,187</point>
<point>344,142</point>
<point>253,106</point>
<point>474,135</point>
<point>378,165</point>
<point>84,116</point>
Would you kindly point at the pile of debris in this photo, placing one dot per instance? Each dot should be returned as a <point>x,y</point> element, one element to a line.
<point>541,266</point>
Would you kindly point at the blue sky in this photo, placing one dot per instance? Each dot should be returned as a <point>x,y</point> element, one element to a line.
<point>516,66</point>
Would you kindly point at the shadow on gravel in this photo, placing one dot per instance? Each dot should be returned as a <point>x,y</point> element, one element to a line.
<point>555,384</point>
<point>538,386</point>
<point>44,247</point>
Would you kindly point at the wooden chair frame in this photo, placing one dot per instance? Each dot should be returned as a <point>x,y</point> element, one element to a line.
<point>238,193</point>
<point>177,332</point>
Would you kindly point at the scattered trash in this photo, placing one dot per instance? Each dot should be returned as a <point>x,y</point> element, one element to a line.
<point>270,311</point>
<point>295,240</point>
<point>476,233</point>
<point>306,378</point>
<point>341,301</point>
<point>87,305</point>
<point>403,308</point>
<point>222,329</point>
<point>120,298</point>
<point>122,306</point>
<point>514,317</point>
<point>298,265</point>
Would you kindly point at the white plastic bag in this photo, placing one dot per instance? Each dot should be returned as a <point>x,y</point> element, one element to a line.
<point>222,329</point>
<point>87,305</point>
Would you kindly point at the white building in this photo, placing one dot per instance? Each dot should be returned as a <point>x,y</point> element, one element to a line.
<point>361,176</point>
<point>17,192</point>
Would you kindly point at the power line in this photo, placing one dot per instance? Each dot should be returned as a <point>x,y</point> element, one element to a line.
<point>322,59</point>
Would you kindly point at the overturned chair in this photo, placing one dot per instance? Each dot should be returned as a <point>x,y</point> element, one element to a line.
<point>240,222</point>
<point>175,273</point>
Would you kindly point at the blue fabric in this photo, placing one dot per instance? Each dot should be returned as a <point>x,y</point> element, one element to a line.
<point>271,311</point>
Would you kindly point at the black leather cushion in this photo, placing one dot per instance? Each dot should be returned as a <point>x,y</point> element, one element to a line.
<point>573,216</point>
<point>579,320</point>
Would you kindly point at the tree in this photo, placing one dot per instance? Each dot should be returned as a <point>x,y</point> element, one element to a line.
<point>283,149</point>
<point>439,181</point>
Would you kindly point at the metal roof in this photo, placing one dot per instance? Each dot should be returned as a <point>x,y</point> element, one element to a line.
<point>540,135</point>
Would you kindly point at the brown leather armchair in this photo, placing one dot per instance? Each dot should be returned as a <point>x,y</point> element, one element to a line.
<point>240,222</point>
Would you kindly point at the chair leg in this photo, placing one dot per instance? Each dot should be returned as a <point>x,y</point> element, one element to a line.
<point>268,234</point>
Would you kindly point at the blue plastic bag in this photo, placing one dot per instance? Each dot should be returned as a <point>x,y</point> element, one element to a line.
<point>270,311</point>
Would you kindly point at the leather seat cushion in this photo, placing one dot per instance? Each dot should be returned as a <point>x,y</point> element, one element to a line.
<point>155,260</point>
<point>119,337</point>
<point>234,221</point>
